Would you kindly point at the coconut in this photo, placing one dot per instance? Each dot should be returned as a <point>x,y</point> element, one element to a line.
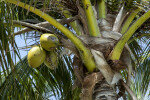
<point>36,56</point>
<point>49,41</point>
<point>51,60</point>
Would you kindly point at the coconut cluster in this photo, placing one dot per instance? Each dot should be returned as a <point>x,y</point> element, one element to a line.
<point>45,52</point>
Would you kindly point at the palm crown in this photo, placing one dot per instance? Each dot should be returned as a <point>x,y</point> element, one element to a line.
<point>100,34</point>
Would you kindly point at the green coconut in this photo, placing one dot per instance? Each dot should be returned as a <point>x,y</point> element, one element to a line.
<point>49,41</point>
<point>51,60</point>
<point>36,56</point>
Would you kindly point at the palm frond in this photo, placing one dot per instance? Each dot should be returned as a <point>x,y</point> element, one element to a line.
<point>142,80</point>
<point>40,83</point>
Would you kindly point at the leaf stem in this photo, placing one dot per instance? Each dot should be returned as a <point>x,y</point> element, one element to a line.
<point>101,9</point>
<point>84,52</point>
<point>75,24</point>
<point>91,19</point>
<point>129,20</point>
<point>120,45</point>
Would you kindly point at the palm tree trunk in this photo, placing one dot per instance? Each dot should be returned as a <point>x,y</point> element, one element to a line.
<point>95,87</point>
<point>103,91</point>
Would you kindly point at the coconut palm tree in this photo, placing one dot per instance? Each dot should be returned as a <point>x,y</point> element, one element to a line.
<point>103,52</point>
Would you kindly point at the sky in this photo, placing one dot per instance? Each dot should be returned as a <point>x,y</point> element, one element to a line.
<point>20,43</point>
